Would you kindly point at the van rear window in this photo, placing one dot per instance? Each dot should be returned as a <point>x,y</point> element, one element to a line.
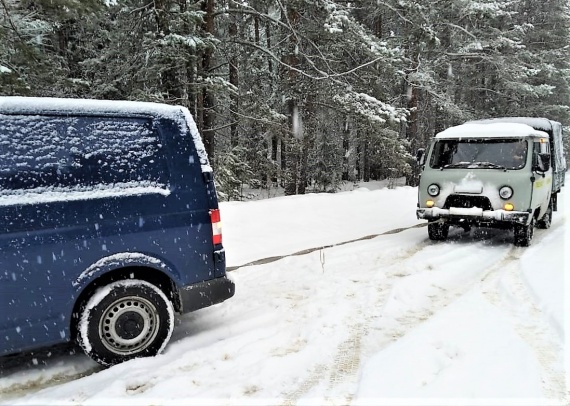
<point>40,151</point>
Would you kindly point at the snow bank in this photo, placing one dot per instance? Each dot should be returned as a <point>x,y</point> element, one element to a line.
<point>545,276</point>
<point>285,225</point>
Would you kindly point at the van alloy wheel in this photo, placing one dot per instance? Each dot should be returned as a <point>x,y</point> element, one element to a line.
<point>125,320</point>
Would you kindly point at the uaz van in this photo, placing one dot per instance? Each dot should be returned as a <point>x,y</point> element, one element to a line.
<point>504,173</point>
<point>109,224</point>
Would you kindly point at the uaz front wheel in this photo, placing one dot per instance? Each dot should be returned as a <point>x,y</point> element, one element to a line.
<point>438,231</point>
<point>523,233</point>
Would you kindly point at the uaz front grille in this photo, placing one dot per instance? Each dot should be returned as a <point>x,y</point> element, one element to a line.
<point>468,202</point>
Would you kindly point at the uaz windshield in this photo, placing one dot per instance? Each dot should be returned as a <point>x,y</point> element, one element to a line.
<point>479,154</point>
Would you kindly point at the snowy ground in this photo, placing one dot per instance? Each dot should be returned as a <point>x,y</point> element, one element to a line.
<point>392,319</point>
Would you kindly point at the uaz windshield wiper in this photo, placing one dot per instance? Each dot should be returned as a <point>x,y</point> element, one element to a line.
<point>456,165</point>
<point>473,165</point>
<point>489,164</point>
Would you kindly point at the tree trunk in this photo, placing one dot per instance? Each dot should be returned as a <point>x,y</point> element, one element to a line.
<point>294,117</point>
<point>365,165</point>
<point>351,135</point>
<point>292,151</point>
<point>207,99</point>
<point>169,78</point>
<point>234,80</point>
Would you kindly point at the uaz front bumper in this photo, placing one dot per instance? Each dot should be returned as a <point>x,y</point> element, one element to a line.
<point>473,215</point>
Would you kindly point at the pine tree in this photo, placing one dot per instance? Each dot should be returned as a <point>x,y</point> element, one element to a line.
<point>300,94</point>
<point>39,44</point>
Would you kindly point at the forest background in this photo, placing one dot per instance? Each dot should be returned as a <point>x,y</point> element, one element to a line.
<point>299,94</point>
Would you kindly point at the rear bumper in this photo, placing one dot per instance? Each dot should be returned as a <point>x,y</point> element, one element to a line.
<point>206,293</point>
<point>474,216</point>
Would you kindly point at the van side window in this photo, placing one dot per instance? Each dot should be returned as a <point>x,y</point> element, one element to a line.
<point>54,151</point>
<point>120,150</point>
<point>32,151</point>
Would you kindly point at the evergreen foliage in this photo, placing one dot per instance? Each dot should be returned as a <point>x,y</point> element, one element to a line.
<point>303,94</point>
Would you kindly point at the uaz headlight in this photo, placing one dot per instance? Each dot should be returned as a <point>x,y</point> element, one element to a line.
<point>433,189</point>
<point>506,192</point>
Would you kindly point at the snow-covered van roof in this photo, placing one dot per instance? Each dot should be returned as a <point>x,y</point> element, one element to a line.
<point>537,123</point>
<point>50,105</point>
<point>492,130</point>
<point>60,106</point>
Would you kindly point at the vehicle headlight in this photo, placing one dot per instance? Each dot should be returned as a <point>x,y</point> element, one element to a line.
<point>506,192</point>
<point>433,189</point>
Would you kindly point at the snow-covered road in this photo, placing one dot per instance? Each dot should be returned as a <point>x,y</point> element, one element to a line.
<point>394,319</point>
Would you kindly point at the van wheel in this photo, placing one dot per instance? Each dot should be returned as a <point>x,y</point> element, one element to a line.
<point>438,231</point>
<point>546,220</point>
<point>124,320</point>
<point>524,233</point>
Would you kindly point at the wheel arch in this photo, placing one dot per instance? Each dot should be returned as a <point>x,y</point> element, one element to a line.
<point>145,273</point>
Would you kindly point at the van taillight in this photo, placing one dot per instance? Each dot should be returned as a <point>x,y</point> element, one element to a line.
<point>216,226</point>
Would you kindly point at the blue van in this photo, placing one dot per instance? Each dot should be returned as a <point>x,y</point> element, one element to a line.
<point>109,225</point>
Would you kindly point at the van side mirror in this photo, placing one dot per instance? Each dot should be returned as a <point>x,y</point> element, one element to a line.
<point>543,162</point>
<point>420,156</point>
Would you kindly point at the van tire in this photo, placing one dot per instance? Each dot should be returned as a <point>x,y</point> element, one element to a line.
<point>546,220</point>
<point>524,233</point>
<point>124,320</point>
<point>438,231</point>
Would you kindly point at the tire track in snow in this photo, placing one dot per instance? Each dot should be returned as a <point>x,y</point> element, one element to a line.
<point>47,367</point>
<point>341,375</point>
<point>444,297</point>
<point>343,370</point>
<point>41,382</point>
<point>38,383</point>
<point>507,291</point>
